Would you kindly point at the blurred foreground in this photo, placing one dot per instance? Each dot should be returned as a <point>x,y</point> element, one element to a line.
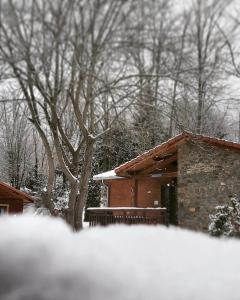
<point>41,259</point>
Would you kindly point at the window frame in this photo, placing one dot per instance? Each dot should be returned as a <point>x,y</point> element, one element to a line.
<point>6,206</point>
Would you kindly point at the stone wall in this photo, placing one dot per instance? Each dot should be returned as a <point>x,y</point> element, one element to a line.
<point>208,176</point>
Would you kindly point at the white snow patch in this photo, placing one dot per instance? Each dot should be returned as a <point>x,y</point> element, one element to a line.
<point>29,209</point>
<point>42,211</point>
<point>106,175</point>
<point>127,208</point>
<point>42,259</point>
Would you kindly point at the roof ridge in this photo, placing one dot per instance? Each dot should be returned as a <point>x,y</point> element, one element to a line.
<point>149,152</point>
<point>175,140</point>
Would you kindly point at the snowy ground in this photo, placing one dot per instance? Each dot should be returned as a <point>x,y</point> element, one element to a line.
<point>31,210</point>
<point>40,258</point>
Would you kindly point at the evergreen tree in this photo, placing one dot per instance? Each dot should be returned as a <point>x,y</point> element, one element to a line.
<point>115,148</point>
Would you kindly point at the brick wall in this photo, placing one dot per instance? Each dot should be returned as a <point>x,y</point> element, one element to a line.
<point>15,205</point>
<point>120,193</point>
<point>208,176</point>
<point>149,190</point>
<point>123,192</point>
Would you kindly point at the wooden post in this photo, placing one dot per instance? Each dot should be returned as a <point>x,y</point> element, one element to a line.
<point>135,192</point>
<point>239,127</point>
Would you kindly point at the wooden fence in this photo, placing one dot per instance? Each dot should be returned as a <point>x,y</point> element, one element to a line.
<point>111,215</point>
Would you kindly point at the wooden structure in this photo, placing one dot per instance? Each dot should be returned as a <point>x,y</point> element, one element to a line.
<point>124,215</point>
<point>151,179</point>
<point>12,199</point>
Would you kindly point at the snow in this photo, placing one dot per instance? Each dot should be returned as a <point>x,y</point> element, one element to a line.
<point>106,175</point>
<point>42,211</point>
<point>29,208</point>
<point>42,259</point>
<point>176,138</point>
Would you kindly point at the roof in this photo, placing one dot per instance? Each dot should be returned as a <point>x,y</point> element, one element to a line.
<point>13,192</point>
<point>106,175</point>
<point>168,147</point>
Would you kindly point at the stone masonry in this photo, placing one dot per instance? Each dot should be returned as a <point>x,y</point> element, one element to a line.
<point>208,176</point>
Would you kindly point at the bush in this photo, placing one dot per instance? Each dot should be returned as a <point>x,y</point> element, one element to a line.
<point>226,219</point>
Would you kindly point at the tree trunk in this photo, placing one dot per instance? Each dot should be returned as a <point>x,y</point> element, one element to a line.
<point>173,109</point>
<point>83,187</point>
<point>199,108</point>
<point>69,217</point>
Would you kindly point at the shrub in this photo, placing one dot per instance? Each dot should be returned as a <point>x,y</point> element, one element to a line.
<point>225,221</point>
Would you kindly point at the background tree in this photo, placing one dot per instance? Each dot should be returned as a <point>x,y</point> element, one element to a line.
<point>116,147</point>
<point>17,139</point>
<point>204,82</point>
<point>60,53</point>
<point>82,66</point>
<point>151,52</point>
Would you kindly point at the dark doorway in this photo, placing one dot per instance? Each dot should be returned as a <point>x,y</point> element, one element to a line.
<point>169,200</point>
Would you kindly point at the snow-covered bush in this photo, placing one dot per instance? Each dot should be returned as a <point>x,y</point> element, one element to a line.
<point>225,221</point>
<point>42,259</point>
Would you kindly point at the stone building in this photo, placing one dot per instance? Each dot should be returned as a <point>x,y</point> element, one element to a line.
<point>189,175</point>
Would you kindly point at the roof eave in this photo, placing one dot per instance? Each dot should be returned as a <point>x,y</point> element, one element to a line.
<point>123,169</point>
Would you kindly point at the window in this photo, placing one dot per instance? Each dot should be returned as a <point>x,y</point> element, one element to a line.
<point>3,209</point>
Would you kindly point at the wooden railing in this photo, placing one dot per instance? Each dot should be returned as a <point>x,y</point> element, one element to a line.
<point>126,215</point>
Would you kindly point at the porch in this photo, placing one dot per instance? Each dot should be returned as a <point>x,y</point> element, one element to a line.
<point>127,215</point>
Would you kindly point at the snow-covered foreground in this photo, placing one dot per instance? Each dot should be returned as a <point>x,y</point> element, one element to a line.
<point>40,258</point>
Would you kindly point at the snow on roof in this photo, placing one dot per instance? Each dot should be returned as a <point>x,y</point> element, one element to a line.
<point>106,175</point>
<point>174,141</point>
<point>112,173</point>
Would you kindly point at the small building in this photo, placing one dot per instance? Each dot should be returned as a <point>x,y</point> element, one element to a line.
<point>12,200</point>
<point>188,175</point>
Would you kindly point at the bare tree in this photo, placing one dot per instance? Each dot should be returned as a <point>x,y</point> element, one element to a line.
<point>63,56</point>
<point>151,50</point>
<point>13,145</point>
<point>206,44</point>
<point>16,140</point>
